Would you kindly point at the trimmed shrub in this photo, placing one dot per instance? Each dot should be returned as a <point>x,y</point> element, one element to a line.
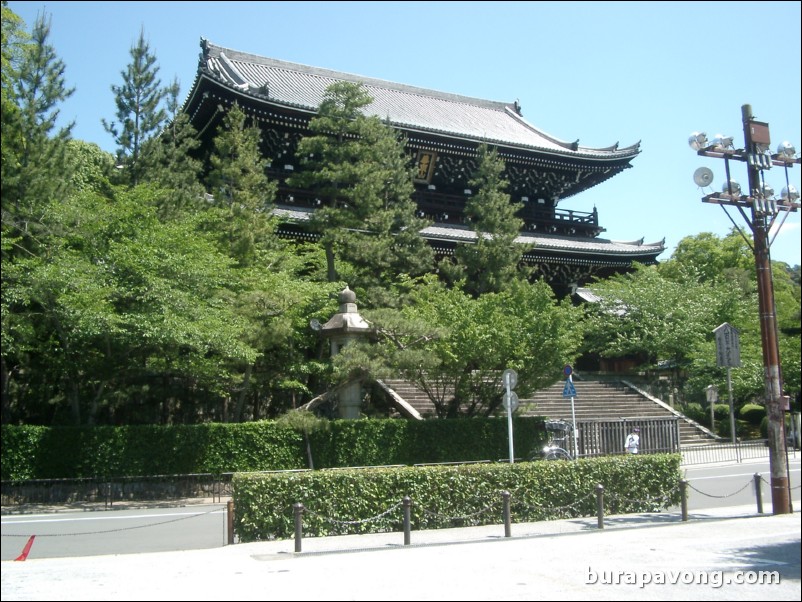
<point>753,413</point>
<point>214,448</point>
<point>351,501</point>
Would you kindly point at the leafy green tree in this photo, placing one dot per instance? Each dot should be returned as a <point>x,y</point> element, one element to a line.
<point>455,347</point>
<point>669,312</point>
<point>242,193</point>
<point>170,161</point>
<point>729,263</point>
<point>644,314</point>
<point>35,166</point>
<point>14,38</point>
<point>124,320</point>
<point>712,258</point>
<point>276,301</point>
<point>91,168</point>
<point>358,167</point>
<point>305,422</point>
<point>140,114</point>
<point>273,295</point>
<point>494,261</point>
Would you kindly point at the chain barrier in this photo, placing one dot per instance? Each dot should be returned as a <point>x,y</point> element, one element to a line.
<point>462,517</point>
<point>492,505</point>
<point>748,483</point>
<point>548,510</point>
<point>353,522</point>
<point>762,478</point>
<point>668,497</point>
<point>155,524</point>
<point>557,509</point>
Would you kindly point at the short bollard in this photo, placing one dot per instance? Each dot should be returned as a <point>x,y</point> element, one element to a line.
<point>505,497</point>
<point>758,494</point>
<point>600,505</point>
<point>299,513</point>
<point>683,492</point>
<point>230,521</point>
<point>407,503</point>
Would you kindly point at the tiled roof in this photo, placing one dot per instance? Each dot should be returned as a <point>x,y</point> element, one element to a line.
<point>408,107</point>
<point>542,242</point>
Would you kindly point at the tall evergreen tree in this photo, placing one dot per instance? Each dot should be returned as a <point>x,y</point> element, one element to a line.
<point>492,263</point>
<point>35,165</point>
<point>358,167</point>
<point>242,192</point>
<point>14,37</point>
<point>169,160</point>
<point>140,114</point>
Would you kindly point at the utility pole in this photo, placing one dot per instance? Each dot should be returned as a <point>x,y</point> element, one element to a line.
<point>763,210</point>
<point>754,134</point>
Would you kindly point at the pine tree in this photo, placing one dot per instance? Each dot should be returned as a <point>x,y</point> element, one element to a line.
<point>241,189</point>
<point>169,161</point>
<point>139,111</point>
<point>35,163</point>
<point>494,261</point>
<point>358,167</point>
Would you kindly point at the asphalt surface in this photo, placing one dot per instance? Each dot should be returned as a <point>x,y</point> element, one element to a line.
<point>726,554</point>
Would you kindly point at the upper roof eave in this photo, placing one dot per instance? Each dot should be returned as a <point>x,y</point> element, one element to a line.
<point>541,242</point>
<point>300,87</point>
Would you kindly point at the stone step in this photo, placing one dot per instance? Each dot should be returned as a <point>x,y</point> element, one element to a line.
<point>594,400</point>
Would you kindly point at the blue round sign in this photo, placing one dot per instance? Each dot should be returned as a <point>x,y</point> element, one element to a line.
<point>567,370</point>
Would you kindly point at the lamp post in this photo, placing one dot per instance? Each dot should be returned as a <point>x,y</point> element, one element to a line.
<point>763,210</point>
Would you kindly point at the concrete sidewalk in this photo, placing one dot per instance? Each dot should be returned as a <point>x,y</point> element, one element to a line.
<point>721,554</point>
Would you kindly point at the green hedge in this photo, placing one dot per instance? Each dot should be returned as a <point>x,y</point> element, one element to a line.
<point>753,413</point>
<point>35,452</point>
<point>351,501</point>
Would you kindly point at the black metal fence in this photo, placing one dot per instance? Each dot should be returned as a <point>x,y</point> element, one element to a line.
<point>593,437</point>
<point>719,451</point>
<point>606,437</point>
<point>118,489</point>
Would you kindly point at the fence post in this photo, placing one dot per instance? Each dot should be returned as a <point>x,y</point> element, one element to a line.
<point>299,512</point>
<point>683,490</point>
<point>758,494</point>
<point>505,498</point>
<point>407,503</point>
<point>600,505</point>
<point>230,521</point>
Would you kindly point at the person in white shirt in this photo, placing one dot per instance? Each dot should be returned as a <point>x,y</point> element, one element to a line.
<point>632,442</point>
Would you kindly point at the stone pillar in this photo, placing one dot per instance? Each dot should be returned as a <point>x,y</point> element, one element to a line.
<point>343,327</point>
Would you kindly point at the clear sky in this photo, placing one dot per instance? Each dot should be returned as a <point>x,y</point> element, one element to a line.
<point>600,72</point>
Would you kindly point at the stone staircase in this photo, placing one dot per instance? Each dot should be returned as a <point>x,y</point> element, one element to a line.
<point>411,395</point>
<point>600,400</point>
<point>594,401</point>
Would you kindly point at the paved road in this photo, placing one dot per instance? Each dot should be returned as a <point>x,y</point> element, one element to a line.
<point>655,556</point>
<point>137,527</point>
<point>69,533</point>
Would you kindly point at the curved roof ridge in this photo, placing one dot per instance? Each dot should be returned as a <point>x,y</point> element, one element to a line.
<point>571,145</point>
<point>238,80</point>
<point>346,76</point>
<point>419,109</point>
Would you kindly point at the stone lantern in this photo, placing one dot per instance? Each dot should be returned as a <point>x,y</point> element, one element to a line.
<point>343,327</point>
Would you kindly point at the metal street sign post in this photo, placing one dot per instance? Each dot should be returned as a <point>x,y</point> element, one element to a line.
<point>510,379</point>
<point>728,353</point>
<point>570,391</point>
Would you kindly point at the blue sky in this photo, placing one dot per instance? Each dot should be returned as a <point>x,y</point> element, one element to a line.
<point>602,72</point>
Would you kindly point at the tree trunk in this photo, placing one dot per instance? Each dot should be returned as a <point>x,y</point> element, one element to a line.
<point>308,450</point>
